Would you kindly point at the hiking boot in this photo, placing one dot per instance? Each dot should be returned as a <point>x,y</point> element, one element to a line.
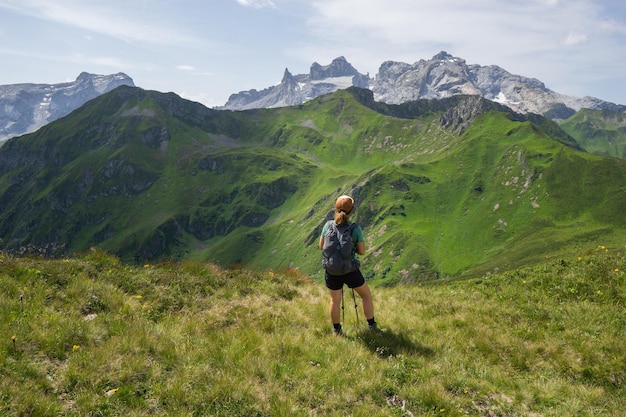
<point>374,328</point>
<point>338,332</point>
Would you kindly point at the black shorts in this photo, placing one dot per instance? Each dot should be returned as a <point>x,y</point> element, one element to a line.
<point>351,279</point>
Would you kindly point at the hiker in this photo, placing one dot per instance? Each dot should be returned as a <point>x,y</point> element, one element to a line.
<point>349,274</point>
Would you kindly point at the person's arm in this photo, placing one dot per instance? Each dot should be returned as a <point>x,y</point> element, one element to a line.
<point>360,248</point>
<point>360,241</point>
<point>324,229</point>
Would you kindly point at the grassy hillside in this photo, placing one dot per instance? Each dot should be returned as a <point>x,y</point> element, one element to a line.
<point>448,188</point>
<point>92,336</point>
<point>490,199</point>
<point>602,132</point>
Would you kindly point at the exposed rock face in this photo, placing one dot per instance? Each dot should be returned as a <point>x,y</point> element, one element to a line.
<point>444,76</point>
<point>25,108</point>
<point>440,77</point>
<point>297,89</point>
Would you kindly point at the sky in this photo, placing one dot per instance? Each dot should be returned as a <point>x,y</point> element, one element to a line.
<point>206,50</point>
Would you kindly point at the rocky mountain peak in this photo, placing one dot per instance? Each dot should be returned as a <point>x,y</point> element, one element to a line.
<point>444,56</point>
<point>339,67</point>
<point>444,75</point>
<point>297,89</point>
<point>84,77</point>
<point>287,77</point>
<point>25,108</point>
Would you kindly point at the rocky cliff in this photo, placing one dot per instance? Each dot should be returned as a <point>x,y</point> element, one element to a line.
<point>441,76</point>
<point>297,89</point>
<point>25,108</point>
<point>445,75</point>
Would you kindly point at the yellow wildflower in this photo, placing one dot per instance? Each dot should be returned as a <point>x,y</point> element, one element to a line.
<point>139,297</point>
<point>75,347</point>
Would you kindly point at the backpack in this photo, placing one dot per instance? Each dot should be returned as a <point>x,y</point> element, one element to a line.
<point>338,249</point>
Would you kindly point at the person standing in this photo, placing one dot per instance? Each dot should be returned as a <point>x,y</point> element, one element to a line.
<point>349,274</point>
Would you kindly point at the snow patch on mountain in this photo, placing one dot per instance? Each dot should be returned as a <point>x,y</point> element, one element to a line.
<point>441,76</point>
<point>25,108</point>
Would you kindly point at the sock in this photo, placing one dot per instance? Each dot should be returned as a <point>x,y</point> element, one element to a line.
<point>371,322</point>
<point>337,326</point>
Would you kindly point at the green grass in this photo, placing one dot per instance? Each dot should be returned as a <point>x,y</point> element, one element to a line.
<point>601,132</point>
<point>91,335</point>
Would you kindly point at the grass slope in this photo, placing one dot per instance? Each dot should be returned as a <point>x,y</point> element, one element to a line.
<point>92,336</point>
<point>601,132</point>
<point>501,195</point>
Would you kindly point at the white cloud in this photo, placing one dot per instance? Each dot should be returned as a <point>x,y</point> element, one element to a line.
<point>575,39</point>
<point>107,18</point>
<point>202,98</point>
<point>613,26</point>
<point>549,3</point>
<point>104,61</point>
<point>257,4</point>
<point>185,67</point>
<point>81,59</point>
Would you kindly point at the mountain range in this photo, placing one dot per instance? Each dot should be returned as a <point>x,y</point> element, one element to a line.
<point>441,76</point>
<point>25,108</point>
<point>444,188</point>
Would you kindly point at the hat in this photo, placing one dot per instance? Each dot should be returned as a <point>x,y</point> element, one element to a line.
<point>344,203</point>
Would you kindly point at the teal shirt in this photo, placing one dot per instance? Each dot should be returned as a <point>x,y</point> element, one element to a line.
<point>357,233</point>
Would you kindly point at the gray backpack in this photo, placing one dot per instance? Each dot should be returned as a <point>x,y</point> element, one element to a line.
<point>338,250</point>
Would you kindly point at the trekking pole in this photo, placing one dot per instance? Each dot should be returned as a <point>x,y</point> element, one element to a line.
<point>343,312</point>
<point>356,310</point>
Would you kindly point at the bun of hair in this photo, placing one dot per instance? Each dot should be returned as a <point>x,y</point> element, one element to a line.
<point>344,203</point>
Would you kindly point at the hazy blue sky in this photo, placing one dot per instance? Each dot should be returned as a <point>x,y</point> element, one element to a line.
<point>207,50</point>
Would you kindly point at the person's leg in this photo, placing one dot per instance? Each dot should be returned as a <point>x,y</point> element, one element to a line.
<point>366,298</point>
<point>335,306</point>
<point>335,285</point>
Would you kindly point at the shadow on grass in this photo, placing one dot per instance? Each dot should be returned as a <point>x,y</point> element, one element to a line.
<point>391,343</point>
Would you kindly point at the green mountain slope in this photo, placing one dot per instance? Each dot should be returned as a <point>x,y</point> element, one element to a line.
<point>443,188</point>
<point>601,132</point>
